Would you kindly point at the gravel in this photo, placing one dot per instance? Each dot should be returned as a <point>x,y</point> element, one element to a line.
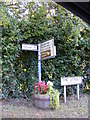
<point>21,108</point>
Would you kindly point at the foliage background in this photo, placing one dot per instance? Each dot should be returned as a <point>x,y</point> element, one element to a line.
<point>20,68</point>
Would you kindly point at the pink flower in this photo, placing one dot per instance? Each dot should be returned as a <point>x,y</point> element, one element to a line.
<point>40,87</point>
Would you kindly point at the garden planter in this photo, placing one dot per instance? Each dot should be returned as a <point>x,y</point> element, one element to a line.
<point>41,101</point>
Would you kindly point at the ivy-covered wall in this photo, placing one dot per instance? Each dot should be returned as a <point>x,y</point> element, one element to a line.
<point>20,68</point>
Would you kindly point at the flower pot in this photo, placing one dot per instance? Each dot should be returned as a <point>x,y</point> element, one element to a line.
<point>41,101</point>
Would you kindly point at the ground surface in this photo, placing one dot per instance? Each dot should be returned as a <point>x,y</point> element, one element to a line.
<point>21,108</point>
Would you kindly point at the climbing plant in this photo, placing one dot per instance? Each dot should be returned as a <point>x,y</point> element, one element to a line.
<point>42,22</point>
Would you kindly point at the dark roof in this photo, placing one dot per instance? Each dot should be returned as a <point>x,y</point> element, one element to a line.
<point>81,9</point>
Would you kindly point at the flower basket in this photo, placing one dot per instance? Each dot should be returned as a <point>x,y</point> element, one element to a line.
<point>42,101</point>
<point>45,96</point>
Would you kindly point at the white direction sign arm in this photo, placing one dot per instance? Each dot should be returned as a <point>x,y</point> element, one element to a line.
<point>31,47</point>
<point>47,49</point>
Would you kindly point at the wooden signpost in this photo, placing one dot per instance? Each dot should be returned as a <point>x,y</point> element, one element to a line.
<point>45,50</point>
<point>65,81</point>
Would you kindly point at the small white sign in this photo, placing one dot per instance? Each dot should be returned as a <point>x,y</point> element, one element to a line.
<point>29,47</point>
<point>71,80</point>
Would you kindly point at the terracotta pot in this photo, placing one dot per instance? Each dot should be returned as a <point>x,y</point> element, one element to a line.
<point>41,101</point>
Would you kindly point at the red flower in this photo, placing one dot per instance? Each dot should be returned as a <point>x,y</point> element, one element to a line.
<point>40,87</point>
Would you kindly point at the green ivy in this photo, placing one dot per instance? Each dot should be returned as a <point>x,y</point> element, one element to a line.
<point>20,68</point>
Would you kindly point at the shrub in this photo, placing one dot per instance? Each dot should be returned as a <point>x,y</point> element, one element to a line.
<point>20,68</point>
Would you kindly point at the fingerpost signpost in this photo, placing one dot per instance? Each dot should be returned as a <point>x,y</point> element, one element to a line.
<point>45,50</point>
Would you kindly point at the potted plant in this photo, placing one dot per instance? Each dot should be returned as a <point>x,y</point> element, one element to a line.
<point>45,96</point>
